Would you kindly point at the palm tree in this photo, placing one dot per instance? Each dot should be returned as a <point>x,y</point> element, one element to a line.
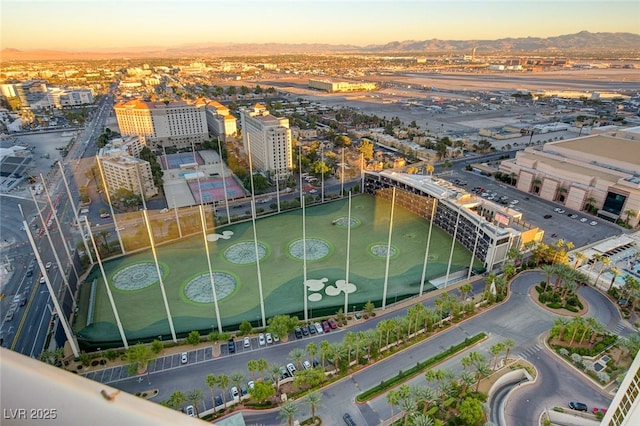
<point>465,289</point>
<point>252,366</point>
<point>194,396</point>
<point>262,366</point>
<point>482,370</point>
<point>606,261</point>
<point>325,348</point>
<point>508,343</point>
<point>615,272</point>
<point>312,350</point>
<point>392,399</point>
<point>408,406</point>
<point>211,381</point>
<point>177,399</point>
<point>288,411</point>
<point>223,382</point>
<point>349,341</point>
<point>576,323</point>
<point>580,256</point>
<point>313,400</point>
<point>297,356</point>
<point>495,351</point>
<point>425,394</point>
<point>590,202</point>
<point>274,369</point>
<point>237,378</point>
<point>548,271</point>
<point>590,325</point>
<point>467,379</point>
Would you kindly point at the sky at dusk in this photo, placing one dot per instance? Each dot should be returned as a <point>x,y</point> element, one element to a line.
<point>91,25</point>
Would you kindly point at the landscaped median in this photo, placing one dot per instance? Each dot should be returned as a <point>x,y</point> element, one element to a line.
<point>419,368</point>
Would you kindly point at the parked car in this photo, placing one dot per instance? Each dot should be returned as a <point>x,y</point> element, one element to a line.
<point>306,365</point>
<point>218,400</point>
<point>305,330</point>
<point>276,339</point>
<point>234,393</point>
<point>291,369</point>
<point>30,271</point>
<point>184,357</point>
<point>318,327</point>
<point>326,327</point>
<point>261,339</point>
<point>298,332</point>
<point>312,329</point>
<point>284,373</point>
<point>332,323</point>
<point>247,342</point>
<point>232,346</point>
<point>578,406</point>
<point>190,411</point>
<point>268,338</point>
<point>250,384</point>
<point>48,265</point>
<point>43,280</point>
<point>348,420</point>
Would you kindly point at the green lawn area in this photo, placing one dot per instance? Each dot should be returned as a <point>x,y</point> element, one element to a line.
<point>142,310</point>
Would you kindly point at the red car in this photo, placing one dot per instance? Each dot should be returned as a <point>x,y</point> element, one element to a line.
<point>326,327</point>
<point>332,324</point>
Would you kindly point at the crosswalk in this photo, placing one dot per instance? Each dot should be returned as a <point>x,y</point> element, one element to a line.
<point>529,351</point>
<point>619,328</point>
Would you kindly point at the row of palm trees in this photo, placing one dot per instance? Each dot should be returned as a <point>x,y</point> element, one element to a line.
<point>577,330</point>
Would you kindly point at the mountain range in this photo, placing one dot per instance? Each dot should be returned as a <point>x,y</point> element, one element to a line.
<point>584,42</point>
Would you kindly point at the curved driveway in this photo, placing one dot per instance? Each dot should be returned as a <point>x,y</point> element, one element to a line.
<point>519,318</point>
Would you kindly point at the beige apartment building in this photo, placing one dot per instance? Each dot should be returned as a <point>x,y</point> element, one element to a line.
<point>220,122</point>
<point>176,124</point>
<point>600,170</point>
<point>270,139</point>
<point>122,169</point>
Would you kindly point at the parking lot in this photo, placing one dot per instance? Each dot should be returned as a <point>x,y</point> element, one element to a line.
<point>570,225</point>
<point>113,374</point>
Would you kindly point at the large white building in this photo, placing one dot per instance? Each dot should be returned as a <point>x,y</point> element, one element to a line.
<point>176,124</point>
<point>122,169</point>
<point>61,98</point>
<point>341,86</point>
<point>270,140</point>
<point>599,170</point>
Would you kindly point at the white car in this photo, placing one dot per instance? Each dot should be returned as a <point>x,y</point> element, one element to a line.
<point>276,339</point>
<point>247,342</point>
<point>514,201</point>
<point>250,384</point>
<point>234,393</point>
<point>583,219</point>
<point>593,223</point>
<point>269,338</point>
<point>261,340</point>
<point>184,358</point>
<point>318,327</point>
<point>190,411</point>
<point>561,211</point>
<point>291,368</point>
<point>306,365</point>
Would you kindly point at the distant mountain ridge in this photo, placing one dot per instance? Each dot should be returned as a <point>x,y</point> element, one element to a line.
<point>582,42</point>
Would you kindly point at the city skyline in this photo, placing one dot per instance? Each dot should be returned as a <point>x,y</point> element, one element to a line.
<point>100,25</point>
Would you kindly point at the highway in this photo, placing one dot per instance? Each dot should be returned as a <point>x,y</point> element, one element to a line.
<point>27,331</point>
